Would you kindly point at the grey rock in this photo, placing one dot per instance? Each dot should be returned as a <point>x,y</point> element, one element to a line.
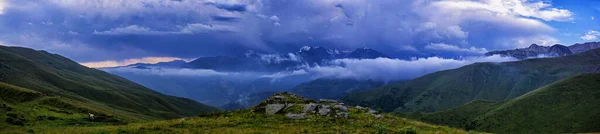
<point>324,110</point>
<point>274,108</point>
<point>311,107</point>
<point>327,101</point>
<point>343,114</point>
<point>371,111</point>
<point>288,105</point>
<point>359,107</point>
<point>279,97</point>
<point>295,116</point>
<point>341,108</point>
<point>378,116</point>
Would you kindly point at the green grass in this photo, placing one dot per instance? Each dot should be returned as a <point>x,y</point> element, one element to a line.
<point>237,121</point>
<point>480,81</point>
<point>567,106</point>
<point>245,121</point>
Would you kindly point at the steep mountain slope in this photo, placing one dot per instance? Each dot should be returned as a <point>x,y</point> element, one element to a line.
<point>578,48</point>
<point>54,75</point>
<point>566,106</point>
<point>333,88</point>
<point>258,120</point>
<point>534,50</point>
<point>480,81</point>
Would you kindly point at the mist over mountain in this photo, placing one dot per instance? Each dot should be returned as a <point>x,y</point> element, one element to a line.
<point>535,51</point>
<point>222,79</point>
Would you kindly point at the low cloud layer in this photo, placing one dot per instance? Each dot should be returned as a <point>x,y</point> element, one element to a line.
<point>396,69</point>
<point>384,69</point>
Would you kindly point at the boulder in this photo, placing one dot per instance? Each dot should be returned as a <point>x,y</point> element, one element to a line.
<point>378,116</point>
<point>324,110</point>
<point>343,114</point>
<point>295,116</point>
<point>274,108</point>
<point>341,108</point>
<point>311,107</point>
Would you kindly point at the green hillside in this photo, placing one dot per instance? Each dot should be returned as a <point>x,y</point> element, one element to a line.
<point>480,81</point>
<point>38,78</point>
<point>332,88</point>
<point>256,120</point>
<point>566,106</point>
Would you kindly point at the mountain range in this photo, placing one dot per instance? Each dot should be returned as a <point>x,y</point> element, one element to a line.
<point>270,62</point>
<point>239,77</point>
<point>535,50</point>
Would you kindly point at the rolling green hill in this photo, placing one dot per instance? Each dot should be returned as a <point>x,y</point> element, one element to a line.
<point>566,106</point>
<point>480,81</point>
<point>38,78</point>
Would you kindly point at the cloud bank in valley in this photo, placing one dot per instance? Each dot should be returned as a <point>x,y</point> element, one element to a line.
<point>384,69</point>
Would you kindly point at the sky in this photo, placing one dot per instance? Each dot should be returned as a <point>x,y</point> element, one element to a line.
<point>119,32</point>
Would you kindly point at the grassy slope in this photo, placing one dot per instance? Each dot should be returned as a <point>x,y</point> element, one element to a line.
<point>54,75</point>
<point>332,88</point>
<point>569,105</point>
<point>25,107</point>
<point>245,121</point>
<point>480,81</point>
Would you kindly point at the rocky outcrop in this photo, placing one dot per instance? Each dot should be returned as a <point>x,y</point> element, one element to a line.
<point>534,51</point>
<point>324,110</point>
<point>296,107</point>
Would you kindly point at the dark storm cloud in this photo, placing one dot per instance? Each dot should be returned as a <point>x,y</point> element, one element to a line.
<point>225,18</point>
<point>228,6</point>
<point>121,29</point>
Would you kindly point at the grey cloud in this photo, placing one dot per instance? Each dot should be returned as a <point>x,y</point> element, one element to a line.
<point>233,7</point>
<point>397,28</point>
<point>189,29</point>
<point>225,18</point>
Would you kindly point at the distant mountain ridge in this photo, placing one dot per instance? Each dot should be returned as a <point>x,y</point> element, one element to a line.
<point>270,62</point>
<point>553,51</point>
